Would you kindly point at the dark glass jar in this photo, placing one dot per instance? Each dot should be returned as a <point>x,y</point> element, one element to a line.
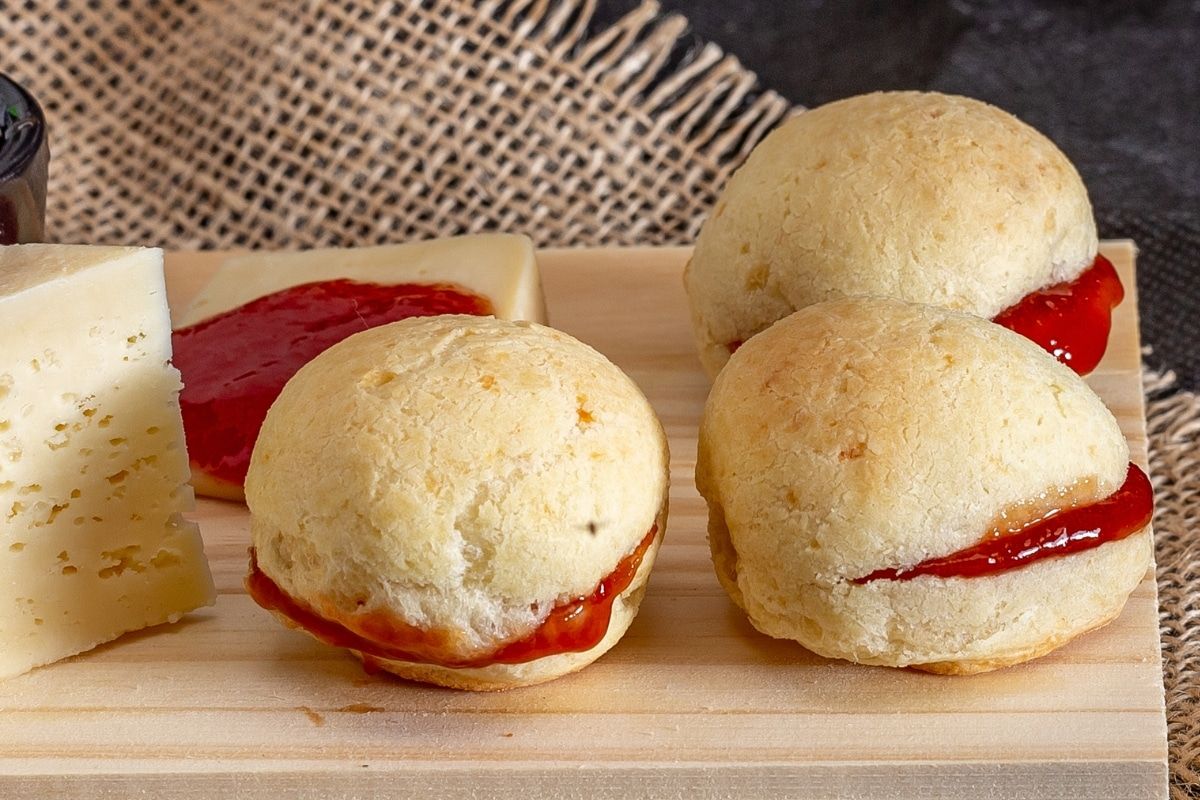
<point>24,162</point>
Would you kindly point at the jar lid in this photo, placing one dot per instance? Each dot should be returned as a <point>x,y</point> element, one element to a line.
<point>22,128</point>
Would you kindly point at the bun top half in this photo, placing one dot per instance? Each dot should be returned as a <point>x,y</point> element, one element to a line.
<point>857,435</point>
<point>923,197</point>
<point>460,473</point>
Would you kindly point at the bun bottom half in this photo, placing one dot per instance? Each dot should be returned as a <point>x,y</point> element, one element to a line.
<point>500,677</point>
<point>951,626</point>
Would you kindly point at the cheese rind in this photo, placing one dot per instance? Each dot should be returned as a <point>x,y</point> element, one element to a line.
<point>500,267</point>
<point>93,468</point>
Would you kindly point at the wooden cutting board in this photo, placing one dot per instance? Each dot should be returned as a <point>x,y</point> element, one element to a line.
<point>692,703</point>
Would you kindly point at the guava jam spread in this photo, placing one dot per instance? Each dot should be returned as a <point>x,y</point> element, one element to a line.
<point>1058,533</point>
<point>1070,320</point>
<point>235,364</point>
<point>573,626</point>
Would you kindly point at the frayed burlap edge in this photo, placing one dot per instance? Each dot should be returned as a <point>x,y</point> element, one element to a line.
<point>1173,425</point>
<point>287,125</point>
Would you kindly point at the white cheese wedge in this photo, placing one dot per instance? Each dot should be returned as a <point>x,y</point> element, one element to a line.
<point>500,267</point>
<point>93,469</point>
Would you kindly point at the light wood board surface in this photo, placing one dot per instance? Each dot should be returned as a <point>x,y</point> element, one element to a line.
<point>692,703</point>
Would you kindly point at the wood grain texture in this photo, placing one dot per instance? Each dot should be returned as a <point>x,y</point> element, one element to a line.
<point>692,703</point>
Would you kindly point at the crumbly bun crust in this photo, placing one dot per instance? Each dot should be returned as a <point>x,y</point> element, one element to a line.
<point>498,677</point>
<point>462,474</point>
<point>923,197</point>
<point>862,434</point>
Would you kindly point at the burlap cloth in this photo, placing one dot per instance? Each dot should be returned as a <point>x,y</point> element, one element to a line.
<point>278,124</point>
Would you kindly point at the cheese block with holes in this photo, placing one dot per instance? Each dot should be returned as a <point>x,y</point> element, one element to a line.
<point>93,470</point>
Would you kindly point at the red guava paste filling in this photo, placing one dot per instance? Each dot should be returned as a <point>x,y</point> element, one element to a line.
<point>1059,533</point>
<point>235,364</point>
<point>573,626</point>
<point>1071,320</point>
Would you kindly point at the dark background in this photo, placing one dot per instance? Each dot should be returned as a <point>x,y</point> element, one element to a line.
<point>1115,84</point>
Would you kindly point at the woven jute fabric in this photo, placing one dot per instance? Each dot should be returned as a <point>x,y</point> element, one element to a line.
<point>221,124</point>
<point>217,124</point>
<point>1173,425</point>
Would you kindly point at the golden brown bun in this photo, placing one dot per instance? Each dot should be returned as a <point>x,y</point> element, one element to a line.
<point>863,434</point>
<point>460,474</point>
<point>923,197</point>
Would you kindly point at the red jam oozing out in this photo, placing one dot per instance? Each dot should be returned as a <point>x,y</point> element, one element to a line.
<point>1071,320</point>
<point>572,626</point>
<point>1060,533</point>
<point>235,364</point>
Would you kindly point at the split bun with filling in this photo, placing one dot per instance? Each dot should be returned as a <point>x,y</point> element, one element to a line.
<point>435,494</point>
<point>855,440</point>
<point>923,197</point>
